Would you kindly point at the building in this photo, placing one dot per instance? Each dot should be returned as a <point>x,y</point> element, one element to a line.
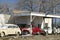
<point>40,19</point>
<point>26,18</point>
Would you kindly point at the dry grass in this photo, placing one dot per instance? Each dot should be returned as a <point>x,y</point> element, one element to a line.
<point>36,37</point>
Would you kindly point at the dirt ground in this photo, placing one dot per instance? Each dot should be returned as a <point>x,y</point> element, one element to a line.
<point>35,37</point>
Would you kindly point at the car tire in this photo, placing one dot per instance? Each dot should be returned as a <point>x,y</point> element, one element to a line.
<point>2,34</point>
<point>18,34</point>
<point>25,32</point>
<point>44,34</point>
<point>38,33</point>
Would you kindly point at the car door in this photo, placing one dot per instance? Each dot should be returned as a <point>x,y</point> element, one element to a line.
<point>10,30</point>
<point>15,29</point>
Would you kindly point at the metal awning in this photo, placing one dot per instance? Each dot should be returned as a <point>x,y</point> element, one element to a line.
<point>36,14</point>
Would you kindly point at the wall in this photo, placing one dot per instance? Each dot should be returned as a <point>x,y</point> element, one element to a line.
<point>22,20</point>
<point>49,22</point>
<point>5,18</point>
<point>38,20</point>
<point>2,20</point>
<point>26,20</point>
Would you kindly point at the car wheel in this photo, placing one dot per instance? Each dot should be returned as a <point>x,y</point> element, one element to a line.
<point>38,33</point>
<point>2,34</point>
<point>44,33</point>
<point>18,33</point>
<point>25,32</point>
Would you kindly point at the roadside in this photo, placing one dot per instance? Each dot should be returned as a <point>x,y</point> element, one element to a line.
<point>34,37</point>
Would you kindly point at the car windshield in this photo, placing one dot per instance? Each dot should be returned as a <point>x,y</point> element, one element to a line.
<point>12,26</point>
<point>15,26</point>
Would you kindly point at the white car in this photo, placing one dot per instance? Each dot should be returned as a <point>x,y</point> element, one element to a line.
<point>7,29</point>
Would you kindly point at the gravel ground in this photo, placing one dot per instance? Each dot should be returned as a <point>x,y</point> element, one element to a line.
<point>35,37</point>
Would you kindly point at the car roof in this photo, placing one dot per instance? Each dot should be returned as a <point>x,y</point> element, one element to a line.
<point>6,25</point>
<point>10,25</point>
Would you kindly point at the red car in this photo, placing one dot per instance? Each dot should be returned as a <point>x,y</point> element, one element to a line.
<point>35,30</point>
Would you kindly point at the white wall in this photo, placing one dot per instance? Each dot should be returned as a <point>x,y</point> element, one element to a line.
<point>49,21</point>
<point>7,18</point>
<point>4,18</point>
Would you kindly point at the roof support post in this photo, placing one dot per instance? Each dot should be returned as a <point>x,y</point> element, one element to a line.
<point>43,23</point>
<point>30,24</point>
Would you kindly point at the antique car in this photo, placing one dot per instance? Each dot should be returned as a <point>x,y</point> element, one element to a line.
<point>8,29</point>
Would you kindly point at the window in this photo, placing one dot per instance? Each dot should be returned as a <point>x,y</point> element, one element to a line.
<point>10,26</point>
<point>15,26</point>
<point>22,25</point>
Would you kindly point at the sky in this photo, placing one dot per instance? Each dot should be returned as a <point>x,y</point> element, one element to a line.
<point>8,1</point>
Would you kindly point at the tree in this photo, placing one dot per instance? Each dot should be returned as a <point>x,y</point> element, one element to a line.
<point>48,6</point>
<point>41,6</point>
<point>29,5</point>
